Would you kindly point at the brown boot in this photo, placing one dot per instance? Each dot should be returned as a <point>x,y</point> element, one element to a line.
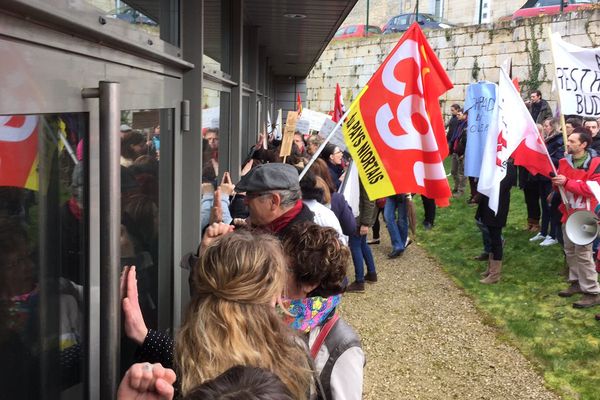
<point>588,300</point>
<point>495,270</point>
<point>571,290</point>
<point>485,273</point>
<point>533,225</point>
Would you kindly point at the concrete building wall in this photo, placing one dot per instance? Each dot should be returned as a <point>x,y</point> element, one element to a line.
<point>469,54</point>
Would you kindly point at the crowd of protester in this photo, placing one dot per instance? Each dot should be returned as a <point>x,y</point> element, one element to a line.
<point>576,164</point>
<point>272,268</point>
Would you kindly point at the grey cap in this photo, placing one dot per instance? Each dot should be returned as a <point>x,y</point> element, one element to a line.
<point>272,176</point>
<point>125,128</point>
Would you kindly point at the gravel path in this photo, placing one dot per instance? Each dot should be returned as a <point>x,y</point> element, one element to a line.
<point>424,339</point>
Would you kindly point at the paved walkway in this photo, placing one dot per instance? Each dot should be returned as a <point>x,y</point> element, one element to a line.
<point>424,339</point>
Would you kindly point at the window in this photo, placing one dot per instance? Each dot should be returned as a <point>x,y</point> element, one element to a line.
<point>351,29</point>
<point>43,225</point>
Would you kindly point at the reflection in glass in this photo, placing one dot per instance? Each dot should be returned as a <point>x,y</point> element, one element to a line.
<point>211,128</point>
<point>146,211</point>
<point>217,36</point>
<point>42,254</point>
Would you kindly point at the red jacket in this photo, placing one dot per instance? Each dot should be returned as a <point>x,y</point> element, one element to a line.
<point>579,195</point>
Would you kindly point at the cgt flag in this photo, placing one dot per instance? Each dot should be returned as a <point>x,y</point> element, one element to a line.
<point>512,133</point>
<point>298,104</point>
<point>394,129</point>
<point>18,151</point>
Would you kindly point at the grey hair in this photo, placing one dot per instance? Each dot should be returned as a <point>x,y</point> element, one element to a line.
<point>289,197</point>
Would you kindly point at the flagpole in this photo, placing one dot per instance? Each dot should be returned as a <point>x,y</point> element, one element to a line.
<point>563,125</point>
<point>322,146</point>
<point>561,189</point>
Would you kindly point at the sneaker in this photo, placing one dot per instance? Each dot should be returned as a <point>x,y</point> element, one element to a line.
<point>356,287</point>
<point>408,243</point>
<point>371,277</point>
<point>588,300</point>
<point>537,237</point>
<point>571,290</point>
<point>395,253</point>
<point>374,241</point>
<point>549,241</point>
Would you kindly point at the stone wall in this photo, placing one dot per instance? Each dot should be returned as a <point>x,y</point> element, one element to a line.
<point>469,54</point>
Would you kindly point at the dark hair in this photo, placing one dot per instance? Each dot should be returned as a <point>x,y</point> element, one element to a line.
<point>456,106</point>
<point>575,122</point>
<point>584,136</point>
<point>320,169</point>
<point>538,93</point>
<point>328,150</point>
<point>131,139</point>
<point>590,120</point>
<point>317,257</point>
<point>242,383</point>
<point>308,186</point>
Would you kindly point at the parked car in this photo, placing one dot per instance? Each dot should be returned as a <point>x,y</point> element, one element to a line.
<point>402,22</point>
<point>536,8</point>
<point>131,15</point>
<point>356,31</point>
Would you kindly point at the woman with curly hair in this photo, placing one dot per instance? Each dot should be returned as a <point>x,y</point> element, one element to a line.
<point>317,263</point>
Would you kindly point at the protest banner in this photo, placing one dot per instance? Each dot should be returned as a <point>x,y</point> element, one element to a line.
<point>394,129</point>
<point>577,75</point>
<point>479,103</point>
<point>288,134</point>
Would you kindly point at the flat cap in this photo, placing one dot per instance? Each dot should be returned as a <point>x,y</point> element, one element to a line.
<point>272,176</point>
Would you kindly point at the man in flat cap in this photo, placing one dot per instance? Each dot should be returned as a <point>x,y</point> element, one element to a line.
<point>273,197</point>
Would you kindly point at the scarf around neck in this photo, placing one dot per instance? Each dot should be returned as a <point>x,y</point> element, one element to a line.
<point>305,314</point>
<point>283,220</point>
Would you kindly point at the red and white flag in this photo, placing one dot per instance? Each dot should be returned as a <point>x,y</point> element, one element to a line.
<point>338,107</point>
<point>394,129</point>
<point>512,132</point>
<point>18,151</point>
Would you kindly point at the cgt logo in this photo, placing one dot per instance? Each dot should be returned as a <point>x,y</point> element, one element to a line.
<point>401,117</point>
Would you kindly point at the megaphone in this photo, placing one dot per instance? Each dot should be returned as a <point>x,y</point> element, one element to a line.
<point>582,227</point>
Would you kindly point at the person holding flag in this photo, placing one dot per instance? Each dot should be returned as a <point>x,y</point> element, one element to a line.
<point>512,134</point>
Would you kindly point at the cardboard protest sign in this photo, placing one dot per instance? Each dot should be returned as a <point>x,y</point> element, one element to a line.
<point>288,134</point>
<point>338,138</point>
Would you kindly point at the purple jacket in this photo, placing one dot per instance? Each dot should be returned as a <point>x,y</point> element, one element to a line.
<point>343,212</point>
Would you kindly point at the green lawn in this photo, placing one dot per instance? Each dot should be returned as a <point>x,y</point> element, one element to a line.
<point>564,343</point>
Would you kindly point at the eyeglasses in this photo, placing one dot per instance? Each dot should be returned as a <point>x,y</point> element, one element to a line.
<point>250,196</point>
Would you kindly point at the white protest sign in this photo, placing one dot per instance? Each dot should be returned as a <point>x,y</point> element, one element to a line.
<point>338,138</point>
<point>210,117</point>
<point>577,73</point>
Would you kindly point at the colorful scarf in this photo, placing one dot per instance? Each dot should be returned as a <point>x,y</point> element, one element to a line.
<point>305,314</point>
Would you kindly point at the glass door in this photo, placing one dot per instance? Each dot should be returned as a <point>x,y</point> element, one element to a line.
<point>43,255</point>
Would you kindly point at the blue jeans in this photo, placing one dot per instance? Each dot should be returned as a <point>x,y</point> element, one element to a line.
<point>397,223</point>
<point>360,250</point>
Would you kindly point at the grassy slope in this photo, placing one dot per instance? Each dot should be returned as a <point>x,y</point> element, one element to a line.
<point>564,343</point>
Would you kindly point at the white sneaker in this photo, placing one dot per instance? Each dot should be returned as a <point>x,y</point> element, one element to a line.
<point>549,241</point>
<point>537,237</point>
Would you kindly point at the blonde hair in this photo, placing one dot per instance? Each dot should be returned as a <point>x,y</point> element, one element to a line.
<point>231,319</point>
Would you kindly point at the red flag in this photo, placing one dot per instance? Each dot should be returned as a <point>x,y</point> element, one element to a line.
<point>395,130</point>
<point>299,104</point>
<point>18,151</point>
<point>338,108</point>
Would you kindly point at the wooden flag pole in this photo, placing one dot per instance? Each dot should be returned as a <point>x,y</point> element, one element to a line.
<point>563,125</point>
